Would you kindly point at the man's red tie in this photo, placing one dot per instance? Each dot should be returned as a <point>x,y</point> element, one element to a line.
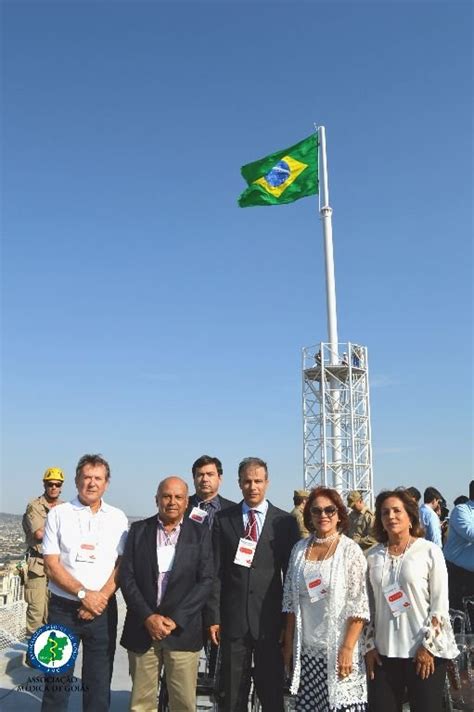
<point>251,529</point>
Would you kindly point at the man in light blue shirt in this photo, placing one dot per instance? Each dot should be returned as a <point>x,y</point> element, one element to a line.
<point>430,520</point>
<point>459,552</point>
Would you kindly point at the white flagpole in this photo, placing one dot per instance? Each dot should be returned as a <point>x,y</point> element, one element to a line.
<point>326,217</point>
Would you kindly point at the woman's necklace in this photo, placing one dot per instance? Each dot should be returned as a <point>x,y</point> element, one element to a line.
<point>397,548</point>
<point>325,540</point>
<point>397,557</point>
<point>314,540</point>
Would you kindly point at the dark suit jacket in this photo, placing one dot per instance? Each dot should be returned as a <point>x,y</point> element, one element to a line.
<point>249,599</point>
<point>187,590</point>
<point>225,503</point>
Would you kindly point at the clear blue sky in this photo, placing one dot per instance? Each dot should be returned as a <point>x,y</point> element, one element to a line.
<point>147,317</point>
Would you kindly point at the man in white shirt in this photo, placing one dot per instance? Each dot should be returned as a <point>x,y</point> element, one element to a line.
<point>82,546</point>
<point>429,519</point>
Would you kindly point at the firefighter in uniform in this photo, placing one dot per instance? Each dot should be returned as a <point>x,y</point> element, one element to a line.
<point>36,584</point>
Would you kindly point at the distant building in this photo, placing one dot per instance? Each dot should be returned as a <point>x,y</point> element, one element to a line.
<point>11,588</point>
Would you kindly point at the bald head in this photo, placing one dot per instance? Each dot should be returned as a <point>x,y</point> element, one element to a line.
<point>172,499</point>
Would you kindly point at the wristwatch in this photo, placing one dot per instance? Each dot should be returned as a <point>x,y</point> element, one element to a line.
<point>81,593</point>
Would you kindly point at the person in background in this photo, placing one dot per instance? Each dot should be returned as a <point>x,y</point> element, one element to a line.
<point>415,493</point>
<point>409,639</point>
<point>202,508</point>
<point>459,553</point>
<point>361,521</point>
<point>300,497</point>
<point>443,514</point>
<point>33,522</point>
<point>428,517</point>
<point>82,546</point>
<point>207,478</point>
<point>325,599</point>
<point>165,576</point>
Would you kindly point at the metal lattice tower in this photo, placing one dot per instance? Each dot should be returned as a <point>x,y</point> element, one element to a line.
<point>336,419</point>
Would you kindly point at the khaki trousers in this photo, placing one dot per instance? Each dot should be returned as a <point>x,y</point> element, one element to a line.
<point>36,596</point>
<point>181,678</point>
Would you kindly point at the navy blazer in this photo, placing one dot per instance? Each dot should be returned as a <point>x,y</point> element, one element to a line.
<point>250,599</point>
<point>187,590</point>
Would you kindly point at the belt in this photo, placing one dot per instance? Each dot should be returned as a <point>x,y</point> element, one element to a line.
<point>69,603</point>
<point>62,602</point>
<point>33,552</point>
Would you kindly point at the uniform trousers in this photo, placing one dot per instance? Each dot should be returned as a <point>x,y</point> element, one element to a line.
<point>181,678</point>
<point>36,597</point>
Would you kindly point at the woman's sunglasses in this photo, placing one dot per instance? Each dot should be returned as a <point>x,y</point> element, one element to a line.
<point>328,511</point>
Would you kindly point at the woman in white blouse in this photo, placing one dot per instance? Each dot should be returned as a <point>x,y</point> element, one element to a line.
<point>409,640</point>
<point>325,597</point>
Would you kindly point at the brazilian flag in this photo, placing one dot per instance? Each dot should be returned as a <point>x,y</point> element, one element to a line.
<point>283,177</point>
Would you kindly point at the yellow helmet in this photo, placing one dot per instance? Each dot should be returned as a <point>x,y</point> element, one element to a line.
<point>53,473</point>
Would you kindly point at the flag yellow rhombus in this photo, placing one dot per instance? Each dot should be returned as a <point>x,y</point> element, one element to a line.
<point>295,169</point>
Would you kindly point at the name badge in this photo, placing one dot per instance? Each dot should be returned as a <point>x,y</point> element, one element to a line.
<point>245,552</point>
<point>198,515</point>
<point>316,586</point>
<point>397,599</point>
<point>165,558</point>
<point>87,553</point>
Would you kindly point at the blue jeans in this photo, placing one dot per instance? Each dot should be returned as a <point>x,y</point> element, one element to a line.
<point>98,638</point>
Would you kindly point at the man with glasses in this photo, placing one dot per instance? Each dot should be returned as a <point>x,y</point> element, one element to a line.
<point>252,545</point>
<point>36,588</point>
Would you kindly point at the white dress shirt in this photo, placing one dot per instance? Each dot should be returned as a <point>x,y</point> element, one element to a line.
<point>260,514</point>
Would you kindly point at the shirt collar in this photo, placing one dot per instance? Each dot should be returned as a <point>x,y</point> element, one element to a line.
<point>261,508</point>
<point>214,502</point>
<point>162,526</point>
<point>77,504</point>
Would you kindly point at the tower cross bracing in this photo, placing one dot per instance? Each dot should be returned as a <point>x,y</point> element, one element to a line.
<point>336,419</point>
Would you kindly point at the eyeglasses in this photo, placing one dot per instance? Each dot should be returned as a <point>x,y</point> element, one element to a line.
<point>329,511</point>
<point>54,484</point>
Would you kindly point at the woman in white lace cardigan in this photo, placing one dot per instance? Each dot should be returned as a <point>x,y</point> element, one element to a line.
<point>409,640</point>
<point>325,598</point>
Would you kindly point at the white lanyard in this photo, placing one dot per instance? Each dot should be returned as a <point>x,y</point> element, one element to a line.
<point>395,596</point>
<point>399,562</point>
<point>94,526</point>
<point>89,540</point>
<point>316,587</point>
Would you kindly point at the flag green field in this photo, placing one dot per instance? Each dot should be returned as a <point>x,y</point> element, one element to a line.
<point>282,177</point>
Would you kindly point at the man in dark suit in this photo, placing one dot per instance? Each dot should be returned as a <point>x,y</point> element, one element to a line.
<point>252,545</point>
<point>165,576</point>
<point>207,477</point>
<point>203,506</point>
